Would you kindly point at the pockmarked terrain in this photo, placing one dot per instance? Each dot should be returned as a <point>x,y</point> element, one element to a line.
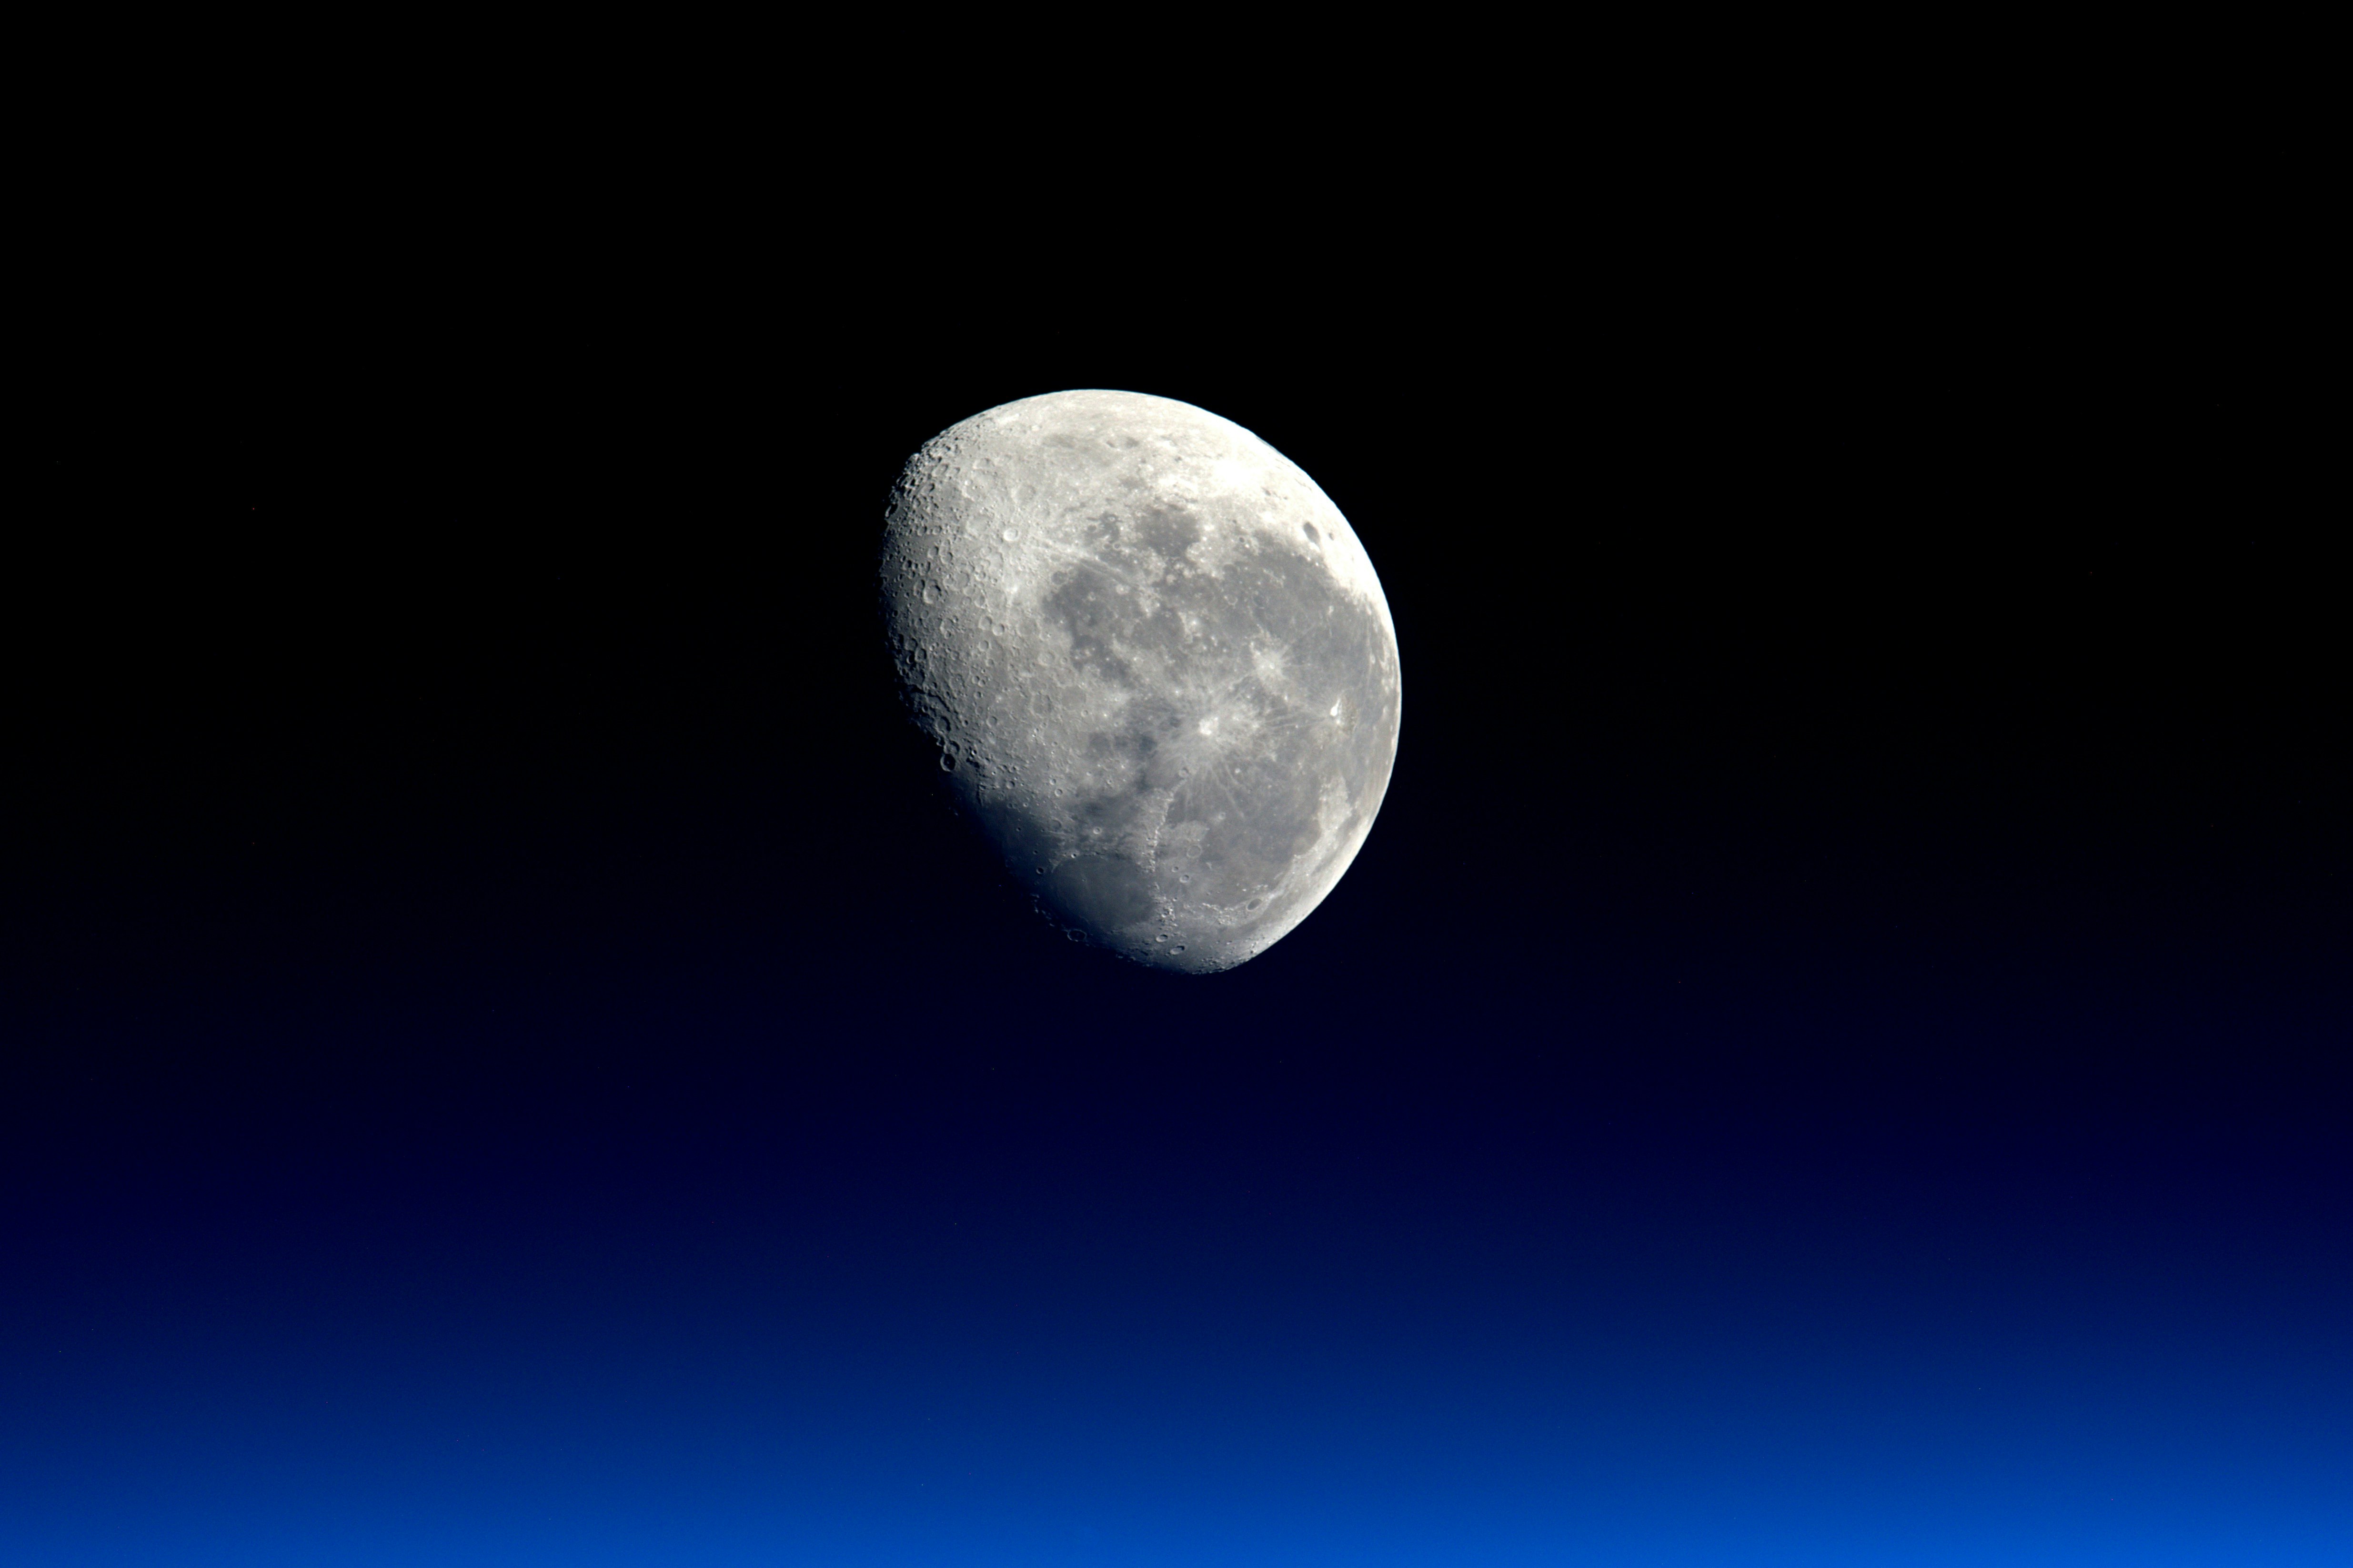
<point>1156,661</point>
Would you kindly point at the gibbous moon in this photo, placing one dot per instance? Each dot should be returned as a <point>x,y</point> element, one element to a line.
<point>1156,664</point>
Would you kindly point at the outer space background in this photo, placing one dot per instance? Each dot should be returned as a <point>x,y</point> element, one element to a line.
<point>1834,1052</point>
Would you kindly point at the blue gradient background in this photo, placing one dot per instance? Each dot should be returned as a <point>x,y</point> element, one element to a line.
<point>1834,1053</point>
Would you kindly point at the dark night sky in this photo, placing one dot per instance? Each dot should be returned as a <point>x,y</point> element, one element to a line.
<point>1834,1051</point>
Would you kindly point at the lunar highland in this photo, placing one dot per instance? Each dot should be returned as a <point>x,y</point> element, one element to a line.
<point>1155,663</point>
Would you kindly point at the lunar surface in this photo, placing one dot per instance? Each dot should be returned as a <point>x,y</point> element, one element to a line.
<point>1155,662</point>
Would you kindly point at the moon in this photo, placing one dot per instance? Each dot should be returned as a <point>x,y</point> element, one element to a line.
<point>1155,662</point>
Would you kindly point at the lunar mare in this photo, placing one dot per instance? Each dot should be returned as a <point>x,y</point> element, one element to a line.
<point>1156,664</point>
